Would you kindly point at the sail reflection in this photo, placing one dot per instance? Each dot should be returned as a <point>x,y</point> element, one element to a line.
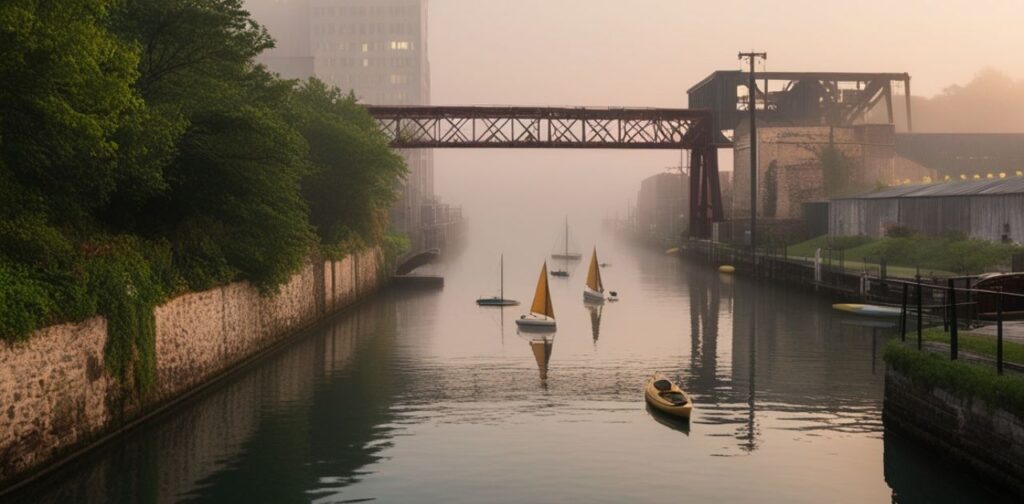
<point>595,319</point>
<point>541,344</point>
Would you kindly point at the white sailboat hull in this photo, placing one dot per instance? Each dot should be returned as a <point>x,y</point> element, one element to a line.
<point>535,323</point>
<point>593,296</point>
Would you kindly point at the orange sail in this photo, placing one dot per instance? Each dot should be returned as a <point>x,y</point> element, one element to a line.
<point>594,275</point>
<point>542,298</point>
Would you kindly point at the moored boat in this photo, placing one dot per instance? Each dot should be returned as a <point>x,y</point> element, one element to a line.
<point>594,291</point>
<point>542,313</point>
<point>667,397</point>
<point>565,254</point>
<point>868,310</point>
<point>499,300</point>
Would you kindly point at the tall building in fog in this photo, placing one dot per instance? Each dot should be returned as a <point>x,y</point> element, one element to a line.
<point>375,48</point>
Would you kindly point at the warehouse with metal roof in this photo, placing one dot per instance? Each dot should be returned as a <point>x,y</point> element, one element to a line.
<point>986,209</point>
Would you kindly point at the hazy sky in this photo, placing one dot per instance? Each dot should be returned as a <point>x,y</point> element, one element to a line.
<point>648,52</point>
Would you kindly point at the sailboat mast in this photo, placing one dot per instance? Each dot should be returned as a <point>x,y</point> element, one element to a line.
<point>567,237</point>
<point>501,268</point>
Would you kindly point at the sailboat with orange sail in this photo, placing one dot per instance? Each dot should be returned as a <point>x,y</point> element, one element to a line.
<point>542,313</point>
<point>594,291</point>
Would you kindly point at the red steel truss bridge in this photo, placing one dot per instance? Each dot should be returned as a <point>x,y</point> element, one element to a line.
<point>426,127</point>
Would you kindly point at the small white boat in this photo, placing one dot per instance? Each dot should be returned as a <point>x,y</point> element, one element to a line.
<point>594,291</point>
<point>542,313</point>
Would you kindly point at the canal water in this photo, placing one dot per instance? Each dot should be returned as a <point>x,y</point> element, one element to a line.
<point>420,396</point>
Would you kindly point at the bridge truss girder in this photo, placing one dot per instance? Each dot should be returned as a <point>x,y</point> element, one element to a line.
<point>411,127</point>
<point>426,127</point>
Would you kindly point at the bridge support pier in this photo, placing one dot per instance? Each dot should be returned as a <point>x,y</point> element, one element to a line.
<point>705,191</point>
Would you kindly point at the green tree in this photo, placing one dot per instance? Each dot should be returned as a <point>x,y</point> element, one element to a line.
<point>354,172</point>
<point>65,91</point>
<point>231,206</point>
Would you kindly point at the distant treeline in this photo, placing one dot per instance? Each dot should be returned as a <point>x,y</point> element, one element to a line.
<point>144,154</point>
<point>991,103</point>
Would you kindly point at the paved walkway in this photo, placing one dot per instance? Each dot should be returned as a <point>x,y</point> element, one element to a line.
<point>1012,331</point>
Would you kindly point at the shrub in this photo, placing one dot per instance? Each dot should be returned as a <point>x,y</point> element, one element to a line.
<point>25,303</point>
<point>127,291</point>
<point>959,378</point>
<point>899,232</point>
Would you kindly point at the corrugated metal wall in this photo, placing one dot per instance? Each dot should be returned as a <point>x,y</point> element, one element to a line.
<point>844,217</point>
<point>983,217</point>
<point>991,215</point>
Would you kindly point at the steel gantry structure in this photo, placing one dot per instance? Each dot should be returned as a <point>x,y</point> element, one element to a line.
<point>426,127</point>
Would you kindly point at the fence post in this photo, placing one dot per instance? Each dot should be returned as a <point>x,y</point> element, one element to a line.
<point>919,312</point>
<point>999,332</point>
<point>903,315</point>
<point>970,304</point>
<point>953,343</point>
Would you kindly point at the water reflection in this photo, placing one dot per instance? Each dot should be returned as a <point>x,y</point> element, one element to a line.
<point>541,345</point>
<point>248,439</point>
<point>674,423</point>
<point>595,319</point>
<point>411,397</point>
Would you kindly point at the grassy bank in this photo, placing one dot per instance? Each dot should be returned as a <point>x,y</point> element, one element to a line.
<point>980,344</point>
<point>939,256</point>
<point>965,380</point>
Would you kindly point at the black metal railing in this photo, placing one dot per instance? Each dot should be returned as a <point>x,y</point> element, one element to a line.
<point>948,302</point>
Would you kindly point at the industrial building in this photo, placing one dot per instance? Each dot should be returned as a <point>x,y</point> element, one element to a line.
<point>986,209</point>
<point>375,48</point>
<point>801,116</point>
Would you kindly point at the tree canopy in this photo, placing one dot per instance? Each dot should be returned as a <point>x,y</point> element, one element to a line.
<point>143,152</point>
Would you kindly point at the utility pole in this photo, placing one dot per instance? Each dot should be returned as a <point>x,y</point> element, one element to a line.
<point>752,91</point>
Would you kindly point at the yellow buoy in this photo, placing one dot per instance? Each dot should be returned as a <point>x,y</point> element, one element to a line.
<point>725,268</point>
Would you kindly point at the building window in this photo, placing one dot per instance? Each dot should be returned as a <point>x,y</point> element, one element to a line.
<point>400,45</point>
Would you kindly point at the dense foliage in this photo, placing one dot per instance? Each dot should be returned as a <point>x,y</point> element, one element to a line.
<point>143,154</point>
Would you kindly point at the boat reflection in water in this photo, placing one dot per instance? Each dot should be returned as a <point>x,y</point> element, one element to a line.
<point>674,423</point>
<point>541,344</point>
<point>595,319</point>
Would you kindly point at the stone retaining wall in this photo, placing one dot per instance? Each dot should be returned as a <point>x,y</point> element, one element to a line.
<point>987,440</point>
<point>58,397</point>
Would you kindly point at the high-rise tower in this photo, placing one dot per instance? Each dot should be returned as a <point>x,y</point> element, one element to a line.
<point>375,48</point>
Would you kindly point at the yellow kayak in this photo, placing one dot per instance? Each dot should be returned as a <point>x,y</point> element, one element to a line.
<point>725,268</point>
<point>868,310</point>
<point>667,397</point>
